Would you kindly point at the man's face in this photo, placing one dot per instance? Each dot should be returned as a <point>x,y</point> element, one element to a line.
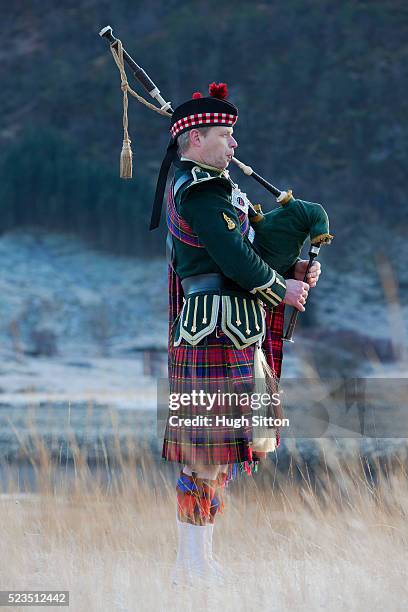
<point>216,148</point>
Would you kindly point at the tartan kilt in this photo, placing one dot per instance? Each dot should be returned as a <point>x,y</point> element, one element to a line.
<point>217,362</point>
<point>215,359</point>
<point>214,363</point>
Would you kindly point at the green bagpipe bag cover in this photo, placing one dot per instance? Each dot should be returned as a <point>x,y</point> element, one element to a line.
<point>282,232</point>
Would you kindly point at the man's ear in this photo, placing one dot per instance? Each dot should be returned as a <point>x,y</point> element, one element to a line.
<point>195,138</point>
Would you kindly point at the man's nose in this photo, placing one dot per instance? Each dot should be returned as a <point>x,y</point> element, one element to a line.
<point>233,143</point>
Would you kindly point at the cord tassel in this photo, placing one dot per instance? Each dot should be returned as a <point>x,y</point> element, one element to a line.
<point>187,313</point>
<point>255,316</point>
<point>194,327</point>
<point>126,160</point>
<point>238,321</point>
<point>248,331</point>
<point>126,153</point>
<point>205,310</point>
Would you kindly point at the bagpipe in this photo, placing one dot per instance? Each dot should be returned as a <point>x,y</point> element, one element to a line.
<point>280,233</point>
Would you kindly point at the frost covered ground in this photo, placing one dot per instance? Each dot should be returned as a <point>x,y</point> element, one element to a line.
<point>88,302</point>
<point>79,324</point>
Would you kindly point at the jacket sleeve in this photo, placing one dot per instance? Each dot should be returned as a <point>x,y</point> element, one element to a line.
<point>211,215</point>
<point>290,273</point>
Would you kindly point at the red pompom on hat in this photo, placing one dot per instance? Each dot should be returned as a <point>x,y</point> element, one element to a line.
<point>218,90</point>
<point>196,95</point>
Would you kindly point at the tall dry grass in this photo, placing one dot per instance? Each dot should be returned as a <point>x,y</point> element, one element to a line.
<point>334,541</point>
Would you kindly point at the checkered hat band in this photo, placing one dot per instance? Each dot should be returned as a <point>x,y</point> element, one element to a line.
<point>202,119</point>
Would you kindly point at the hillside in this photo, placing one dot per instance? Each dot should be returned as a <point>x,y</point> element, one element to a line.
<point>320,87</point>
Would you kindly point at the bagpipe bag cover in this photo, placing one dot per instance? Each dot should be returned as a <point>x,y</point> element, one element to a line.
<point>282,232</point>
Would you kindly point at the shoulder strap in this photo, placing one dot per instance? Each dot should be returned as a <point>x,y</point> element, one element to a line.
<point>195,176</point>
<point>170,255</point>
<point>181,181</point>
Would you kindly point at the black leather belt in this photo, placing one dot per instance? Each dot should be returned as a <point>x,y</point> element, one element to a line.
<point>212,281</point>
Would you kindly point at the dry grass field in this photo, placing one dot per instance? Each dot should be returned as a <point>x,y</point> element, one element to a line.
<point>290,544</point>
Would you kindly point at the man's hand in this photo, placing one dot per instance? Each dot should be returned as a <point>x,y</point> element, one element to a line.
<point>313,274</point>
<point>296,293</point>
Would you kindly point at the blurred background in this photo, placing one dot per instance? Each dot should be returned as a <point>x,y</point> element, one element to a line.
<point>321,89</point>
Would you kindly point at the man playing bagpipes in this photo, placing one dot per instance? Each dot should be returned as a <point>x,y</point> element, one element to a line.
<point>226,304</point>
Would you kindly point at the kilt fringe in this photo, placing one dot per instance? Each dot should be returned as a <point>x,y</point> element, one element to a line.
<point>245,467</point>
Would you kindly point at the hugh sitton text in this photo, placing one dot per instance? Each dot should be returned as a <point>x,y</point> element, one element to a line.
<point>225,421</point>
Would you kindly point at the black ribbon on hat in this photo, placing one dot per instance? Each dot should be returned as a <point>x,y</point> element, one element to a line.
<point>171,155</point>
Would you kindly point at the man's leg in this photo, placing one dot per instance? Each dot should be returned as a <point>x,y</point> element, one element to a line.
<point>203,483</point>
<point>198,501</point>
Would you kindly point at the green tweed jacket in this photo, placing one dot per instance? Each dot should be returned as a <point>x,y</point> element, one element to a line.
<point>204,199</point>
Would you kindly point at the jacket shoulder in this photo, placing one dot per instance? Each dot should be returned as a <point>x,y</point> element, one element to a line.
<point>197,176</point>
